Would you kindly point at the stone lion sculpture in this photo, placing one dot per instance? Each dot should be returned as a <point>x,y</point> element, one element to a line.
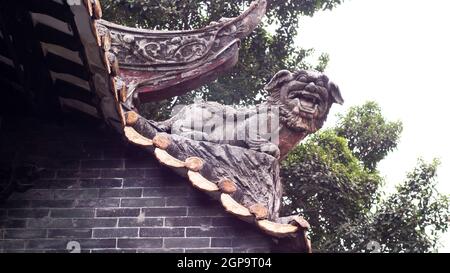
<point>298,105</point>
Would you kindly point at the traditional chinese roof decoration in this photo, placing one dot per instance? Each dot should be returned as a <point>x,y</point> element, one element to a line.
<point>103,69</point>
<point>159,65</point>
<point>246,182</point>
<point>162,64</point>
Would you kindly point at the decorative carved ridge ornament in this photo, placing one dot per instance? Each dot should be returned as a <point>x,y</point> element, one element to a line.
<point>153,50</point>
<point>161,64</point>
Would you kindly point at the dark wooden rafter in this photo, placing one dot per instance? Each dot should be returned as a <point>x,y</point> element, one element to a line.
<point>52,8</point>
<point>9,72</point>
<point>79,33</point>
<point>4,51</point>
<point>52,36</point>
<point>70,91</point>
<point>34,81</point>
<point>63,65</point>
<point>16,72</point>
<point>47,40</point>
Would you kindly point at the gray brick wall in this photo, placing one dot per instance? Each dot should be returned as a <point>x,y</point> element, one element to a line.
<point>108,197</point>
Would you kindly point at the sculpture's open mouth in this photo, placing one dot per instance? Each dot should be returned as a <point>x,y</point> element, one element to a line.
<point>305,101</point>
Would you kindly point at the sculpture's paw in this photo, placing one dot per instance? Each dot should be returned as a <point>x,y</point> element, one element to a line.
<point>271,149</point>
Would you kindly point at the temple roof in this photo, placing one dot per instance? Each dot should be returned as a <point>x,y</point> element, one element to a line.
<point>102,69</point>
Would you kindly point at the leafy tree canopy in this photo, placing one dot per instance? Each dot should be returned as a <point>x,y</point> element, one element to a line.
<point>326,183</point>
<point>412,218</point>
<point>329,181</point>
<point>369,135</point>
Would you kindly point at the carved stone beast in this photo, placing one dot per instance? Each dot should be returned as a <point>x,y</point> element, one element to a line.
<point>297,106</point>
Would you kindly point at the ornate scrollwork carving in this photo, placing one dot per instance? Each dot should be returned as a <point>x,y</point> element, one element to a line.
<point>147,50</point>
<point>137,50</point>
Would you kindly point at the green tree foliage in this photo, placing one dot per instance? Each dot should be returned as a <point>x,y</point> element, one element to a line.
<point>412,218</point>
<point>327,182</point>
<point>369,135</point>
<point>269,49</point>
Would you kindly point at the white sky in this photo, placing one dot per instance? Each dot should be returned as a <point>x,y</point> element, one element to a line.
<point>396,53</point>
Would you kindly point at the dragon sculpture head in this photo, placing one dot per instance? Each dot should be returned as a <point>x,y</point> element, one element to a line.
<point>304,98</point>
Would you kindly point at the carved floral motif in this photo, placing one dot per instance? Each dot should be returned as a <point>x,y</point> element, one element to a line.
<point>138,49</point>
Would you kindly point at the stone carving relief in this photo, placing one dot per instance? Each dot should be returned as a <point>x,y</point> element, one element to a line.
<point>145,49</point>
<point>244,172</point>
<point>297,106</point>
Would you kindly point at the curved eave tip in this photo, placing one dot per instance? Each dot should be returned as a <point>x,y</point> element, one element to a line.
<point>252,17</point>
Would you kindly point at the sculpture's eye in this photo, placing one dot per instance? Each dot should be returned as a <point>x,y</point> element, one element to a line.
<point>320,83</point>
<point>303,79</point>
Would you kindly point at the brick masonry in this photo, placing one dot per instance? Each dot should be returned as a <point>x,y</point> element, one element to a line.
<point>106,196</point>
